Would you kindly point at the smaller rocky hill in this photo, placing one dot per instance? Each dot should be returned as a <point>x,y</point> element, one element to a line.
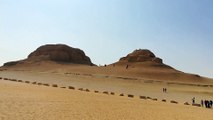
<point>144,59</point>
<point>141,55</point>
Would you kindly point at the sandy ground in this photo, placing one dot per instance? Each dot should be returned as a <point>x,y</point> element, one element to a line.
<point>21,101</point>
<point>180,93</point>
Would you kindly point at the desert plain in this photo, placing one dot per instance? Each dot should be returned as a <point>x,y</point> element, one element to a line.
<point>24,101</point>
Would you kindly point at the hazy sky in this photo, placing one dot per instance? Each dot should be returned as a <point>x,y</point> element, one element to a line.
<point>178,31</point>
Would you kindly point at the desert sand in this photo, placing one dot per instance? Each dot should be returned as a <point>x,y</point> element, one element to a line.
<point>20,100</point>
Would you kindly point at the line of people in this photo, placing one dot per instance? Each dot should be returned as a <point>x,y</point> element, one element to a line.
<point>207,103</point>
<point>204,103</point>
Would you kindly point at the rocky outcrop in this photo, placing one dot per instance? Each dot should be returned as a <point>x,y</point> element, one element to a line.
<point>61,53</point>
<point>11,63</point>
<point>58,53</point>
<point>141,55</point>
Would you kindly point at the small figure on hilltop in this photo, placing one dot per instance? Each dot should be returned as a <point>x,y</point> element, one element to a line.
<point>127,66</point>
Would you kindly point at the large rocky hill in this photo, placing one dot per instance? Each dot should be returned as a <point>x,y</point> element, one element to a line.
<point>55,52</point>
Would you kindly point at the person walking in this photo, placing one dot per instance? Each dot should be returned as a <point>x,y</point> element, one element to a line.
<point>206,104</point>
<point>165,90</point>
<point>202,103</point>
<point>211,103</point>
<point>193,100</point>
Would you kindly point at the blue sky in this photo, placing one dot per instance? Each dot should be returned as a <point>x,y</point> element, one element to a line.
<point>178,31</point>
